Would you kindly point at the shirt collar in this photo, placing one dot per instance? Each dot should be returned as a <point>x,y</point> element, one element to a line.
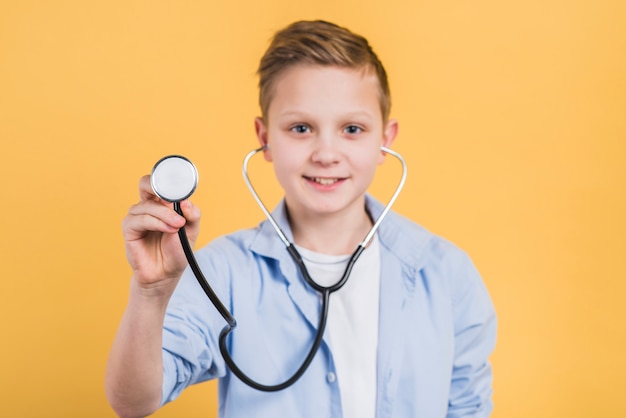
<point>403,238</point>
<point>266,242</point>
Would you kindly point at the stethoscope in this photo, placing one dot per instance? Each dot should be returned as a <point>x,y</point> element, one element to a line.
<point>174,178</point>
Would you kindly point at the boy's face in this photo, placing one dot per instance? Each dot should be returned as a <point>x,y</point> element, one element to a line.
<point>324,129</point>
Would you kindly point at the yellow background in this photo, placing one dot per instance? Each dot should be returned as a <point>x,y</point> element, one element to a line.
<point>512,120</point>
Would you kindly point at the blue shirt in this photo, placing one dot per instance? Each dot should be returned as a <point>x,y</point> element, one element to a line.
<point>437,328</point>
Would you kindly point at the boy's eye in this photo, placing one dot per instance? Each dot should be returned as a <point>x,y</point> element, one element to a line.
<point>353,129</point>
<point>300,129</point>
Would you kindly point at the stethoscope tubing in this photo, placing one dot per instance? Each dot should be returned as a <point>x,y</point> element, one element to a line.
<point>195,268</point>
<point>231,323</point>
<point>325,291</point>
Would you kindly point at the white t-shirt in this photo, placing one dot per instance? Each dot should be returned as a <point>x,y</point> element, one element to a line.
<point>352,327</point>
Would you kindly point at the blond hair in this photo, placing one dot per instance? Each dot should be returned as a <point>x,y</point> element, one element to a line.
<point>318,43</point>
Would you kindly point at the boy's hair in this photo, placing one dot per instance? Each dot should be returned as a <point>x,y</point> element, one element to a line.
<point>319,43</point>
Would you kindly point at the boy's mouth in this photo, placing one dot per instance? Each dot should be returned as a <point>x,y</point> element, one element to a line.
<point>324,181</point>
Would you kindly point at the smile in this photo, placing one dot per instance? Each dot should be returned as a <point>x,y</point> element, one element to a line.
<point>324,181</point>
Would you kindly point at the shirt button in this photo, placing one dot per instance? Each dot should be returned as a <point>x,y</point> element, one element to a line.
<point>331,377</point>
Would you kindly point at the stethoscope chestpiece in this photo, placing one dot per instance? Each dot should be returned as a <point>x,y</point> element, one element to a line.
<point>174,178</point>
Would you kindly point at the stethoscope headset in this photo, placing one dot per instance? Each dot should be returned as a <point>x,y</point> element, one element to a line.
<point>175,178</point>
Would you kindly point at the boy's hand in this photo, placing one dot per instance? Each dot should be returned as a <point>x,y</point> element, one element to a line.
<point>153,248</point>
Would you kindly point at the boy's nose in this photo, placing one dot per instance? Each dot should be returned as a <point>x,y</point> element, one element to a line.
<point>326,150</point>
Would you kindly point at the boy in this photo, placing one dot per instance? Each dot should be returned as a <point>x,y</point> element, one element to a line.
<point>408,336</point>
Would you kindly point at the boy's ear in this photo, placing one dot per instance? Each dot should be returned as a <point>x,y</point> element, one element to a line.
<point>389,135</point>
<point>261,134</point>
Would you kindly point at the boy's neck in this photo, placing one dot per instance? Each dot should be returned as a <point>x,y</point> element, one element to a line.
<point>333,235</point>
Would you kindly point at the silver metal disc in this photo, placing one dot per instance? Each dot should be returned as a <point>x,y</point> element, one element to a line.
<point>174,178</point>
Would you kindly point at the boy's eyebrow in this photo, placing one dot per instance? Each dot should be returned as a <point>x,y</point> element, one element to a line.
<point>292,113</point>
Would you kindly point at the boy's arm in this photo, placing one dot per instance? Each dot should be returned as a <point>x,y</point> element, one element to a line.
<point>475,336</point>
<point>134,374</point>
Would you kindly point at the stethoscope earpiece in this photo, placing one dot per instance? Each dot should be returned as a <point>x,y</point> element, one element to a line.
<point>174,178</point>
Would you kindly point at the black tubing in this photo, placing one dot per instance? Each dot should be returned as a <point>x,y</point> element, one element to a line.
<point>232,323</point>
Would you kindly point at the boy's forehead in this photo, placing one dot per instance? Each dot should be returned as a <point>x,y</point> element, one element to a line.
<point>326,82</point>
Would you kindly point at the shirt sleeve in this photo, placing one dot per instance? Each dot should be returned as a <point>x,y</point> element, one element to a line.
<point>190,355</point>
<point>191,329</point>
<point>475,336</point>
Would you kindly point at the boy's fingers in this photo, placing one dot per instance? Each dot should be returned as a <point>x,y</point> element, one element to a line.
<point>150,209</point>
<point>137,226</point>
<point>146,192</point>
<point>191,211</point>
